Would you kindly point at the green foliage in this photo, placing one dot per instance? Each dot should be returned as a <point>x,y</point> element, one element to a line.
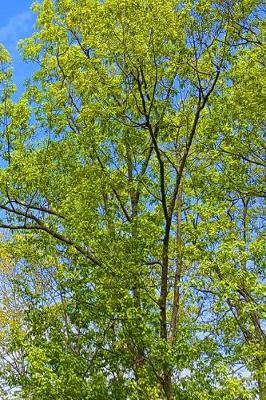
<point>131,189</point>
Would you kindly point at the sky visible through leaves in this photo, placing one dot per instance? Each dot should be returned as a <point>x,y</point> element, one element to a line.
<point>17,21</point>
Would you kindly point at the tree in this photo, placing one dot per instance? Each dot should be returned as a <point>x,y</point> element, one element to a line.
<point>132,186</point>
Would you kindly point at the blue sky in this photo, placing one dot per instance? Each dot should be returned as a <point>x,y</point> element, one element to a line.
<point>17,22</point>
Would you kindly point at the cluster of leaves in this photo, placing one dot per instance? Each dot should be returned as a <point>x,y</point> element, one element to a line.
<point>131,188</point>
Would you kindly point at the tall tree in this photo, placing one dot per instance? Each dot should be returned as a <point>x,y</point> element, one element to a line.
<point>132,181</point>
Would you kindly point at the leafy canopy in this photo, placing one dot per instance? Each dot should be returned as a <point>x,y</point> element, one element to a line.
<point>132,180</point>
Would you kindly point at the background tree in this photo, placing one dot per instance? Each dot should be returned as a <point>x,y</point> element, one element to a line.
<point>132,184</point>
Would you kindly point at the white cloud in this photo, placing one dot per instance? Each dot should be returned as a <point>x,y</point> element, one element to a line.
<point>16,28</point>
